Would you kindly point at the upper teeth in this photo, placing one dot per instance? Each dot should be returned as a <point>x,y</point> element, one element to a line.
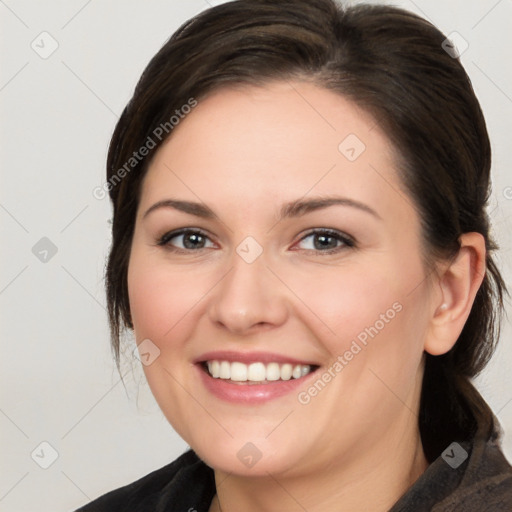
<point>256,372</point>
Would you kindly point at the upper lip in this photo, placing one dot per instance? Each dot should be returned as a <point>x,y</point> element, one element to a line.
<point>249,357</point>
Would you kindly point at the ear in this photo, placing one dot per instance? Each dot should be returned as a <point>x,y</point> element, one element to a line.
<point>458,283</point>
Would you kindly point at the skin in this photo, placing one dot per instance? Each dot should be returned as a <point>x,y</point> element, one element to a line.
<point>244,152</point>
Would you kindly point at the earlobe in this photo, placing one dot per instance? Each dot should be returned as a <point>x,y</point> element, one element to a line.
<point>459,283</point>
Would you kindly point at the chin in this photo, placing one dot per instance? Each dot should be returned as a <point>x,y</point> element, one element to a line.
<point>245,458</point>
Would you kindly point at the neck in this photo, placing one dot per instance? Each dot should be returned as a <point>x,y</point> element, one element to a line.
<point>374,481</point>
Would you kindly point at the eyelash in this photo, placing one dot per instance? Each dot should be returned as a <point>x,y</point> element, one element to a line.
<point>347,241</point>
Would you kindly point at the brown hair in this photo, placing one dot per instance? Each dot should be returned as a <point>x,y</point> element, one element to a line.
<point>391,63</point>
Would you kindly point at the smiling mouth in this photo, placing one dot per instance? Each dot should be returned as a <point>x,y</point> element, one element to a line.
<point>256,373</point>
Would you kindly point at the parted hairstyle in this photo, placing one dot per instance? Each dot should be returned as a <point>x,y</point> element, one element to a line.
<point>390,63</point>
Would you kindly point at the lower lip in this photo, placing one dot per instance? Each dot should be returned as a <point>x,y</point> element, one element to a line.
<point>249,393</point>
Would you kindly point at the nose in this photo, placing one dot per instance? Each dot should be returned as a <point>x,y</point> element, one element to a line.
<point>249,298</point>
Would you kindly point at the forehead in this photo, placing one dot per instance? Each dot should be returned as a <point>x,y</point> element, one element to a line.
<point>255,146</point>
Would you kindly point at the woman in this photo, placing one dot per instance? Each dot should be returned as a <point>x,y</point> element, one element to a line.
<point>301,247</point>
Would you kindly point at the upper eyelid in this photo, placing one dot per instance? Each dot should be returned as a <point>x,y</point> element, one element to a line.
<point>343,237</point>
<point>184,231</point>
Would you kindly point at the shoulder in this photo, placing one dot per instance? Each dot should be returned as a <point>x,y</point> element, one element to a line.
<point>473,476</point>
<point>171,484</point>
<point>486,484</point>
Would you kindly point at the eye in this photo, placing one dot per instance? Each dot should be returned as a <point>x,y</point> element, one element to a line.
<point>327,241</point>
<point>185,240</point>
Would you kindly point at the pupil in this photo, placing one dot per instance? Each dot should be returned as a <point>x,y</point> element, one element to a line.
<point>190,241</point>
<point>323,242</point>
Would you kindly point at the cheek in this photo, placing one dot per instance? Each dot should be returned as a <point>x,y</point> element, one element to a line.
<point>163,304</point>
<point>160,300</point>
<point>374,313</point>
<point>375,338</point>
<point>348,300</point>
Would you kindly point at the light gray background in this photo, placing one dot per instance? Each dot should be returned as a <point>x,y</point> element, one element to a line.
<point>58,382</point>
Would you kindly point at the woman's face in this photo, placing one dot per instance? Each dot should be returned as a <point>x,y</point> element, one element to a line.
<point>225,266</point>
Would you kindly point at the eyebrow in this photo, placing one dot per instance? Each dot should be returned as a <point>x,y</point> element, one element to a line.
<point>293,209</point>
